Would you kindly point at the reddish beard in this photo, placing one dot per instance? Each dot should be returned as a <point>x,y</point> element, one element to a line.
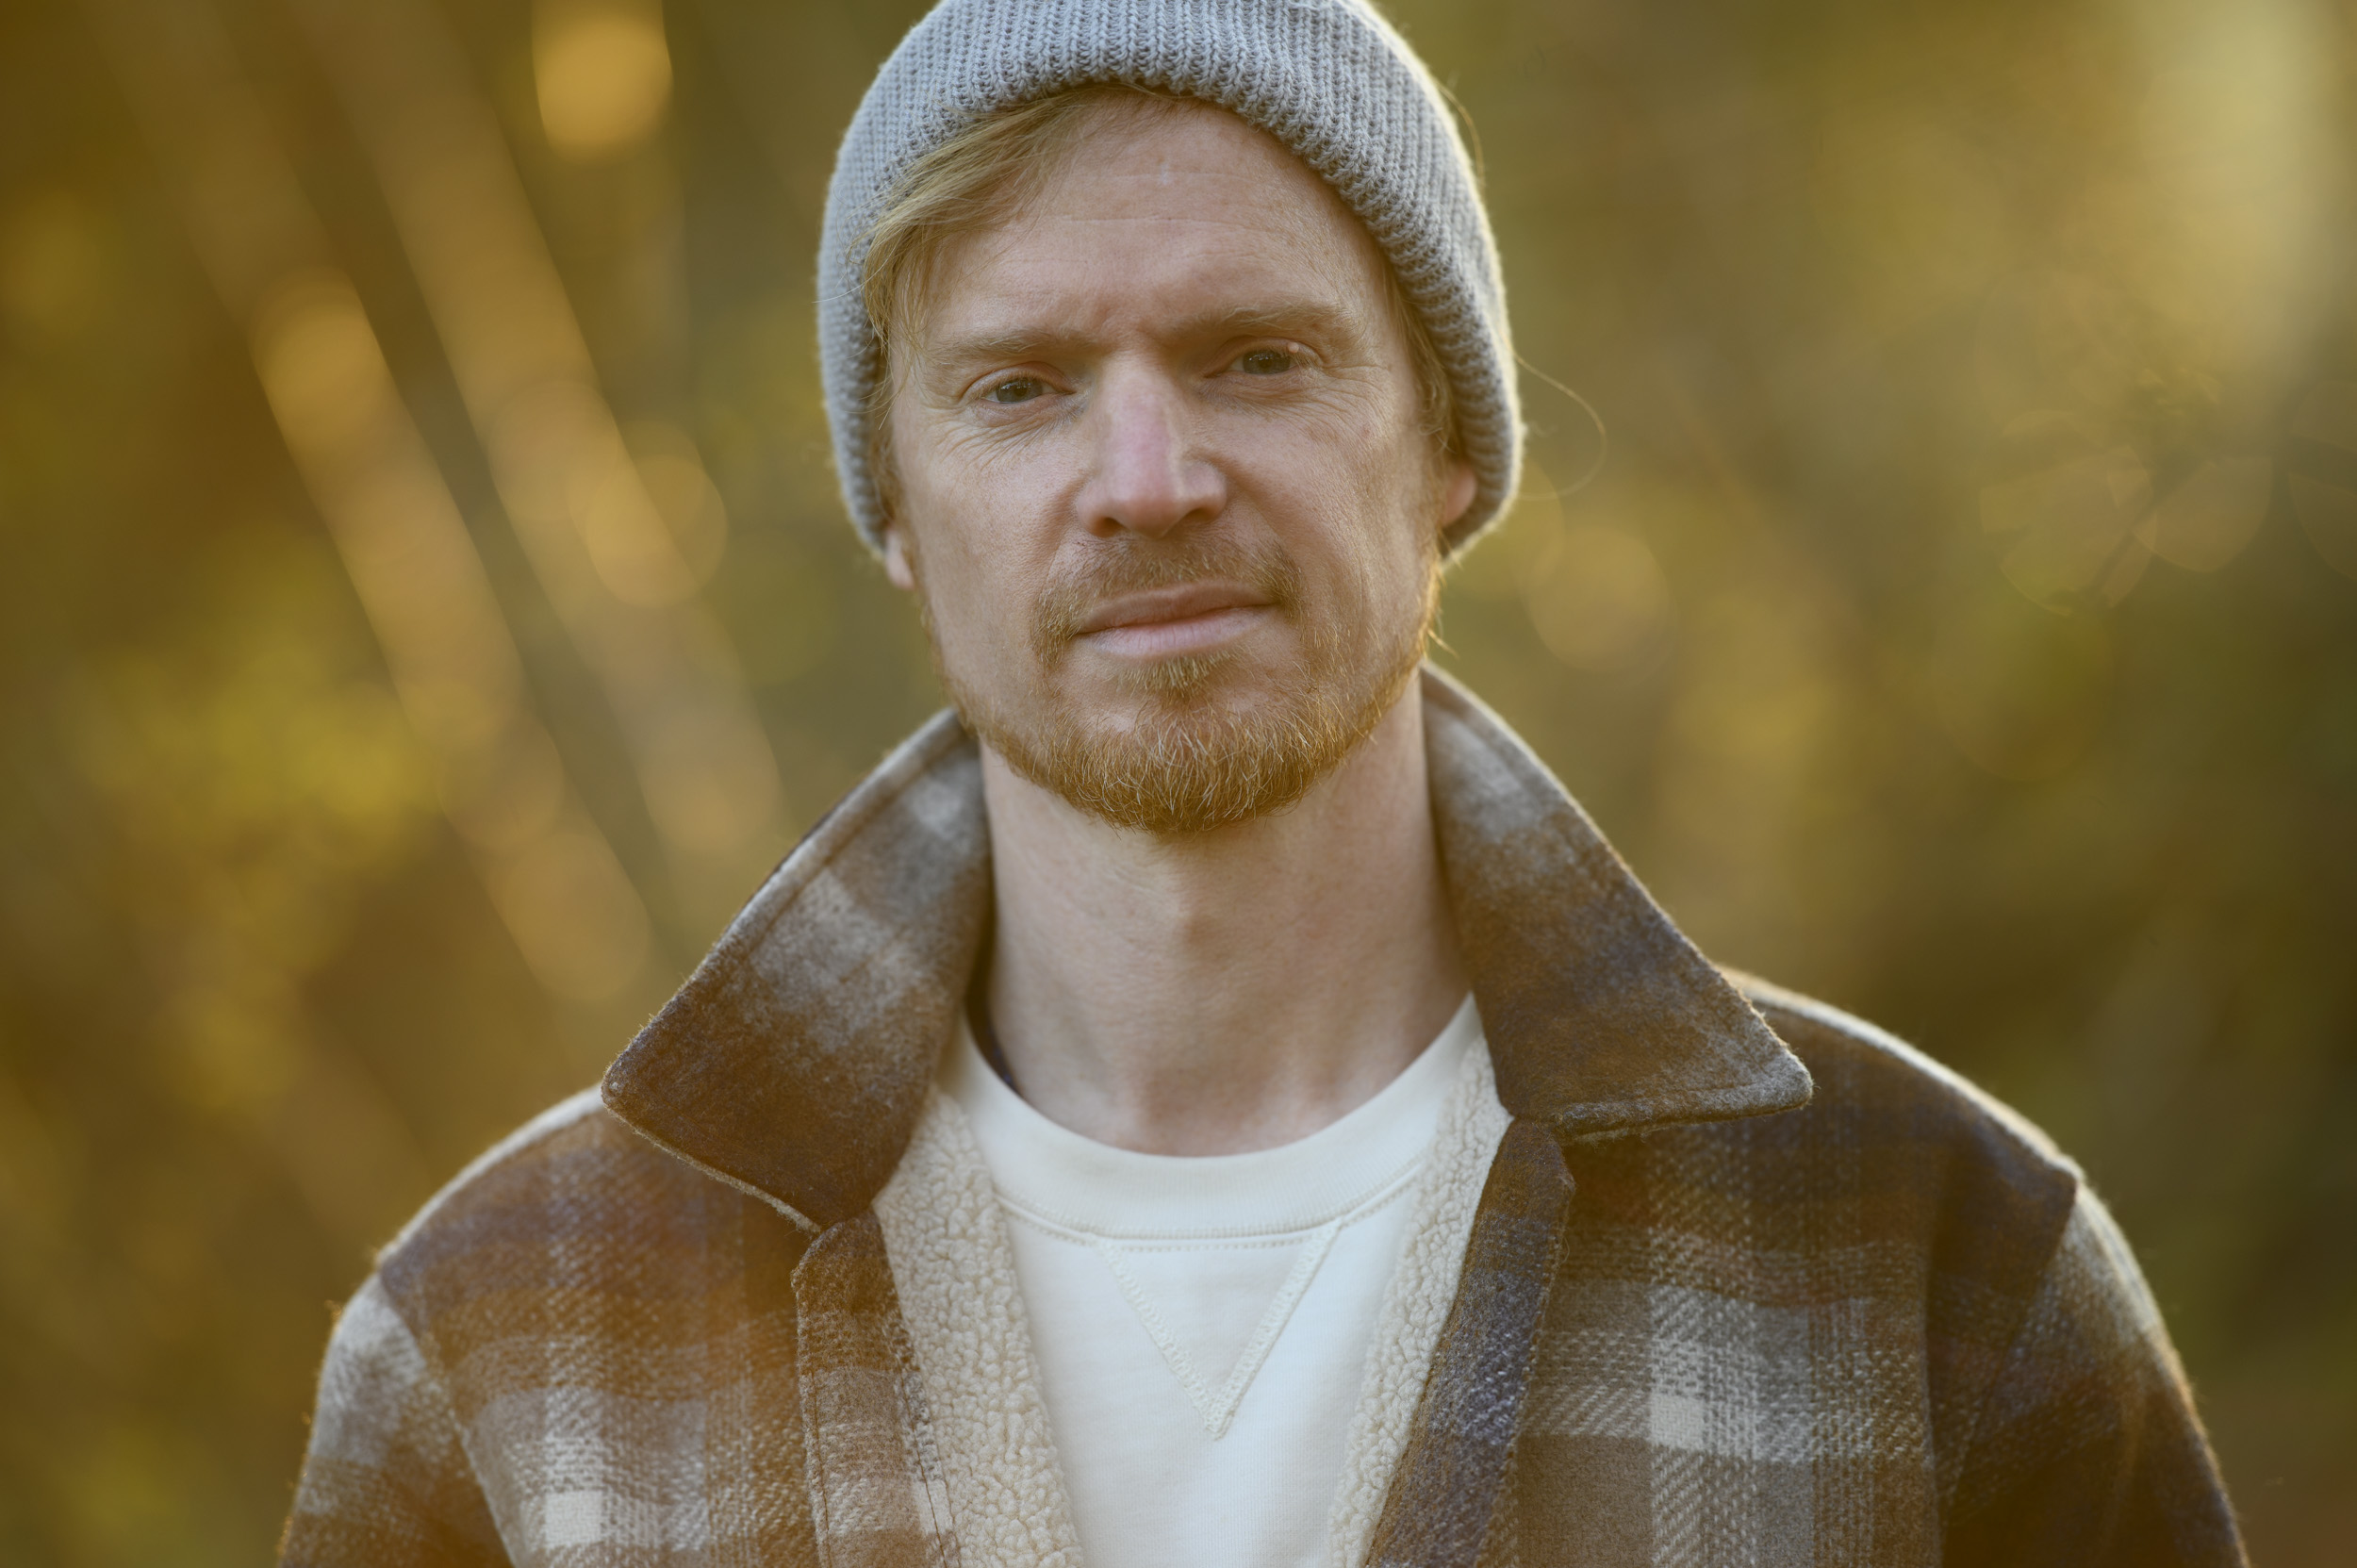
<point>1207,742</point>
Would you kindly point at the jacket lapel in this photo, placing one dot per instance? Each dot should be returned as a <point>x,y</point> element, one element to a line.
<point>1445,1490</point>
<point>1601,1016</point>
<point>794,1062</point>
<point>878,1494</point>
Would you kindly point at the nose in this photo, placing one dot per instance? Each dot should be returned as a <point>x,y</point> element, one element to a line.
<point>1150,476</point>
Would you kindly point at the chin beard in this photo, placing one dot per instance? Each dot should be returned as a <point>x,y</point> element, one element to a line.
<point>1188,762</point>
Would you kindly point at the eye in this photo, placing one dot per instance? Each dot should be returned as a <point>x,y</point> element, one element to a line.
<point>1016,388</point>
<point>1266,362</point>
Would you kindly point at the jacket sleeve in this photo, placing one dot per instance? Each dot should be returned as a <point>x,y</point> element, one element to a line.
<point>386,1481</point>
<point>2087,1451</point>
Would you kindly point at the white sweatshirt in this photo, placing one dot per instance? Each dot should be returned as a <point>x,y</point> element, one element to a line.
<point>1202,1325</point>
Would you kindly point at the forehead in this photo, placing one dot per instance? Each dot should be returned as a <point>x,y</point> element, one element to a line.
<point>1159,206</point>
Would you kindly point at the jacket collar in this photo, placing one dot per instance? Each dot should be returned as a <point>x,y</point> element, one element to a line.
<point>794,1062</point>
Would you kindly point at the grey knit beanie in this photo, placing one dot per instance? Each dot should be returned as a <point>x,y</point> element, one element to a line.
<point>1327,78</point>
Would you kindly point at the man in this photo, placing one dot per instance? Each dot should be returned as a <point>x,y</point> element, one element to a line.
<point>1214,1099</point>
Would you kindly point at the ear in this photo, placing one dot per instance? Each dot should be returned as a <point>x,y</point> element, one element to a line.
<point>1457,491</point>
<point>898,558</point>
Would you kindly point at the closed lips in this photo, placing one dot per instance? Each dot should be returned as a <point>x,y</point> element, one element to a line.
<point>1165,605</point>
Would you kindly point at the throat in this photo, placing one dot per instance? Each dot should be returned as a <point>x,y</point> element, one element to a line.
<point>1222,992</point>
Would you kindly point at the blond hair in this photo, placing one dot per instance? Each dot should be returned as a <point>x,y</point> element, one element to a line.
<point>982,177</point>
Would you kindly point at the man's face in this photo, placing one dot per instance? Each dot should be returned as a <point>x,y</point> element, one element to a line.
<point>1163,479</point>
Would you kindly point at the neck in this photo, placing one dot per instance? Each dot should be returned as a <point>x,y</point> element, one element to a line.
<point>1227,991</point>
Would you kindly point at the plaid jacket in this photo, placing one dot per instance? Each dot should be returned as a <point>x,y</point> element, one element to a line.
<point>1705,1316</point>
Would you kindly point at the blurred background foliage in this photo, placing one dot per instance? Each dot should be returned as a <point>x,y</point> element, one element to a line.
<point>425,609</point>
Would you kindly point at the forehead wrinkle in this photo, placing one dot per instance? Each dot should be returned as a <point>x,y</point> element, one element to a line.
<point>1276,319</point>
<point>1074,299</point>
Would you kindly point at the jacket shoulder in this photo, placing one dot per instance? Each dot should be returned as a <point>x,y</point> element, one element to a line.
<point>548,1134</point>
<point>2049,1376</point>
<point>1949,1185</point>
<point>576,1142</point>
<point>574,1199</point>
<point>1865,1072</point>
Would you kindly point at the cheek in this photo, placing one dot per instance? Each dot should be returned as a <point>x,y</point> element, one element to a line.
<point>954,465</point>
<point>946,518</point>
<point>978,592</point>
<point>982,499</point>
<point>1376,516</point>
<point>959,592</point>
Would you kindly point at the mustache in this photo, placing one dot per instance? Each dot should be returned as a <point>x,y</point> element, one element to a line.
<point>1129,564</point>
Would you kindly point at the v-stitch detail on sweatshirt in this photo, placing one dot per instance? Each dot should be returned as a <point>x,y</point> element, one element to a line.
<point>1218,1408</point>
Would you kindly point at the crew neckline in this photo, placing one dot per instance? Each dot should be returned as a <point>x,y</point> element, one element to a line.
<point>1055,1175</point>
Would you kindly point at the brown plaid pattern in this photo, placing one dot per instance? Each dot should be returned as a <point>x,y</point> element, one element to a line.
<point>1704,1318</point>
<point>1445,1493</point>
<point>878,1494</point>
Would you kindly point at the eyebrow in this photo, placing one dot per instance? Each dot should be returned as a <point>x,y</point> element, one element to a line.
<point>1282,319</point>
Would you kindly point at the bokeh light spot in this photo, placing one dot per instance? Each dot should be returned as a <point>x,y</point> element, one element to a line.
<point>2207,519</point>
<point>709,779</point>
<point>603,71</point>
<point>2072,528</point>
<point>573,913</point>
<point>672,471</point>
<point>1598,599</point>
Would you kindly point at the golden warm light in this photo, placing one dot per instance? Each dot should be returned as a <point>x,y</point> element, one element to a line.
<point>672,471</point>
<point>603,73</point>
<point>554,880</point>
<point>1597,598</point>
<point>572,911</point>
<point>2072,530</point>
<point>614,567</point>
<point>426,612</point>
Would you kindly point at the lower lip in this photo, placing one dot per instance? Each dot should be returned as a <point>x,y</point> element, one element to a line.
<point>1162,639</point>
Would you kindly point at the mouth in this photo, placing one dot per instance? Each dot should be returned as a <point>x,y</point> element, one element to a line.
<point>1192,619</point>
